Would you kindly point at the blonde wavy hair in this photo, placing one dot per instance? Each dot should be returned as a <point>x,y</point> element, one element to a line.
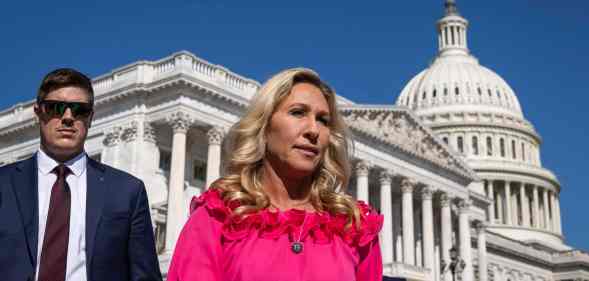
<point>245,147</point>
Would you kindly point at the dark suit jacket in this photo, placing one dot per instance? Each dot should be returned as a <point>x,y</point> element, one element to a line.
<point>119,235</point>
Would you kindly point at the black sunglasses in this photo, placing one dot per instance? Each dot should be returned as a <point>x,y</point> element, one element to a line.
<point>55,108</point>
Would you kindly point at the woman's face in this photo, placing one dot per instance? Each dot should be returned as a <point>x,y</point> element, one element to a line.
<point>298,133</point>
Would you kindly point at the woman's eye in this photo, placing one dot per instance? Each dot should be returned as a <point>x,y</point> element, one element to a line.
<point>324,120</point>
<point>297,112</point>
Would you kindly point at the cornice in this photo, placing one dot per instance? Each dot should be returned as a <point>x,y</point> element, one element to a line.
<point>398,128</point>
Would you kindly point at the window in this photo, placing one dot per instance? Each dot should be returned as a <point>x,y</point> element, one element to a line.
<point>434,93</point>
<point>165,160</point>
<point>423,96</point>
<point>445,91</point>
<point>475,145</point>
<point>456,91</point>
<point>523,152</point>
<point>502,147</point>
<point>460,144</point>
<point>513,149</point>
<point>489,146</point>
<point>445,139</point>
<point>479,91</point>
<point>199,170</point>
<point>489,92</point>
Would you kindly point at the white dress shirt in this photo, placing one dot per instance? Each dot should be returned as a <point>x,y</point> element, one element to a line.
<point>76,250</point>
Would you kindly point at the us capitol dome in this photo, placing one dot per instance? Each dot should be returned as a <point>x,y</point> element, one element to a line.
<point>475,111</point>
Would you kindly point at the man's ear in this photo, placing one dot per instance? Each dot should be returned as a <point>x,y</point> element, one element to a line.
<point>38,112</point>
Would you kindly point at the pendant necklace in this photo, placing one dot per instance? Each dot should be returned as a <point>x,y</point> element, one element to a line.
<point>297,245</point>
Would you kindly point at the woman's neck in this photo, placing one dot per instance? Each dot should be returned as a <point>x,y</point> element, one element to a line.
<point>284,192</point>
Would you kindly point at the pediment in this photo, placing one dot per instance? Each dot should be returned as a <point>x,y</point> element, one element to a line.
<point>399,128</point>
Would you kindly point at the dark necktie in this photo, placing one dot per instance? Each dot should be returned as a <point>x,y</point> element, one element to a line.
<point>57,230</point>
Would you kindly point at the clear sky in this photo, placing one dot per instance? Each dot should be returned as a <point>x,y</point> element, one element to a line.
<point>367,50</point>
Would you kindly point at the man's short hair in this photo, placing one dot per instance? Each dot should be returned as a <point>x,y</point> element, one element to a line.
<point>65,77</point>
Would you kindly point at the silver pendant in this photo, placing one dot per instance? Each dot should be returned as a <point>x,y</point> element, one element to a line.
<point>296,247</point>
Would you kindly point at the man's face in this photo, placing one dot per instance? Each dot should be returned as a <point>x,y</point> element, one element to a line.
<point>63,135</point>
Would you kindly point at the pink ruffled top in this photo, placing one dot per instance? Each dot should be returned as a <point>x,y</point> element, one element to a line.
<point>214,245</point>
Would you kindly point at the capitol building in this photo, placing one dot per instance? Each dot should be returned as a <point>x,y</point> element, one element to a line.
<point>453,164</point>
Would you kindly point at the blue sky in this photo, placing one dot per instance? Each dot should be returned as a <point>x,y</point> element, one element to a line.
<point>367,52</point>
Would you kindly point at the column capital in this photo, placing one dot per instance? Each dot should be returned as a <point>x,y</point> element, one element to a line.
<point>480,227</point>
<point>130,131</point>
<point>362,168</point>
<point>464,205</point>
<point>180,121</point>
<point>385,177</point>
<point>407,185</point>
<point>112,136</point>
<point>215,135</point>
<point>427,193</point>
<point>445,200</point>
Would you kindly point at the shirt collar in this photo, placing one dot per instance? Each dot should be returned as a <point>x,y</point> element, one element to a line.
<point>46,164</point>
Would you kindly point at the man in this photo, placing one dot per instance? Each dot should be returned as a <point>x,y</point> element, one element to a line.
<point>64,216</point>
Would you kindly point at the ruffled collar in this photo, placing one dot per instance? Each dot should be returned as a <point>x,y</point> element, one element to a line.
<point>320,226</point>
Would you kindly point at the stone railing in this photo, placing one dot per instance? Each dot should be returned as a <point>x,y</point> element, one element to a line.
<point>572,256</point>
<point>144,72</point>
<point>517,247</point>
<point>407,271</point>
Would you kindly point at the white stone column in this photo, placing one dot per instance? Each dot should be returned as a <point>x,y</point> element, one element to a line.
<point>112,138</point>
<point>524,205</point>
<point>546,209</point>
<point>427,227</point>
<point>482,250</point>
<point>508,211</point>
<point>491,207</point>
<point>464,244</point>
<point>553,224</point>
<point>407,187</point>
<point>446,225</point>
<point>362,170</point>
<point>535,207</point>
<point>397,234</point>
<point>386,208</point>
<point>558,217</point>
<point>215,137</point>
<point>177,209</point>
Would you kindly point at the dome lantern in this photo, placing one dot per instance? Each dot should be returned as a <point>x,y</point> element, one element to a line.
<point>452,31</point>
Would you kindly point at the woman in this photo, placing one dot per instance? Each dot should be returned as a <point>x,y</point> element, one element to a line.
<point>276,214</point>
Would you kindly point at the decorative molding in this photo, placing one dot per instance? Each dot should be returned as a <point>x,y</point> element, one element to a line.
<point>385,177</point>
<point>427,193</point>
<point>407,185</point>
<point>400,129</point>
<point>112,136</point>
<point>362,168</point>
<point>445,200</point>
<point>215,135</point>
<point>464,205</point>
<point>180,121</point>
<point>130,131</point>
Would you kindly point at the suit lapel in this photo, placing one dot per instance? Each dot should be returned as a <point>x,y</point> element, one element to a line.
<point>95,198</point>
<point>24,183</point>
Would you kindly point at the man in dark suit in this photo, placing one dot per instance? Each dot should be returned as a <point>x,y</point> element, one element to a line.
<point>64,216</point>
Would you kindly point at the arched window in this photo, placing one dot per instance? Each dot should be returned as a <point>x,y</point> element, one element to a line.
<point>502,147</point>
<point>523,151</point>
<point>479,91</point>
<point>434,93</point>
<point>475,145</point>
<point>445,91</point>
<point>489,146</point>
<point>513,149</point>
<point>460,144</point>
<point>456,91</point>
<point>489,92</point>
